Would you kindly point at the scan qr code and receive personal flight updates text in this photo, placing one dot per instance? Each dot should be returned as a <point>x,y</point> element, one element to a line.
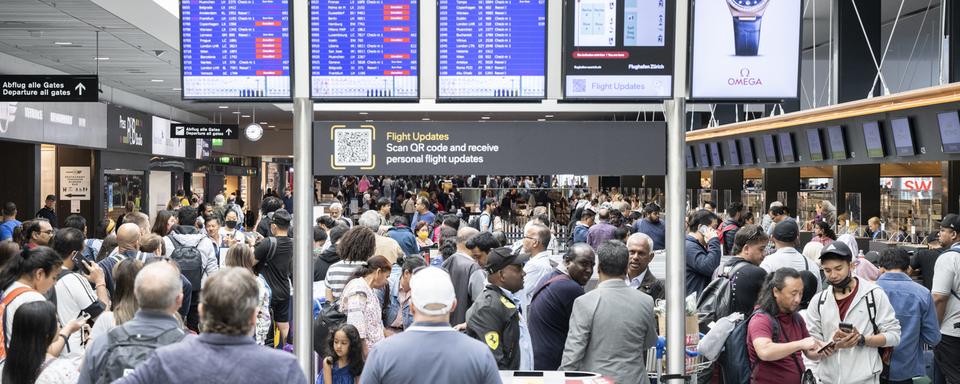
<point>353,147</point>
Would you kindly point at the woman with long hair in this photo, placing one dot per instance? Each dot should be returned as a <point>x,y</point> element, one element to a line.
<point>125,303</point>
<point>362,306</point>
<point>27,278</point>
<point>824,233</point>
<point>354,248</point>
<point>29,361</point>
<point>241,255</point>
<point>164,223</point>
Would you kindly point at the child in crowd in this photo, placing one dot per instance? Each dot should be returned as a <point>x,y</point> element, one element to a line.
<point>344,362</point>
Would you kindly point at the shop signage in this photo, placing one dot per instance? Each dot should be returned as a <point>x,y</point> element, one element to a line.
<point>129,130</point>
<point>77,88</point>
<point>74,183</point>
<point>431,148</point>
<point>205,131</point>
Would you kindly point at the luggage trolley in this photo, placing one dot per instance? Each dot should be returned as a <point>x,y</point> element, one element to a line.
<point>695,364</point>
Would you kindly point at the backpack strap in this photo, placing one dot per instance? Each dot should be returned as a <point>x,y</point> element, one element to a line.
<point>272,242</point>
<point>872,312</point>
<point>9,298</point>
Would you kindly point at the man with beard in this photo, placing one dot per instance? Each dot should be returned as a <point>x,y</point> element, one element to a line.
<point>638,275</point>
<point>652,226</point>
<point>856,315</point>
<point>552,305</point>
<point>777,334</point>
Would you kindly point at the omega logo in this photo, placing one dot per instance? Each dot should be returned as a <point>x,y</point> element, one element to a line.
<point>745,80</point>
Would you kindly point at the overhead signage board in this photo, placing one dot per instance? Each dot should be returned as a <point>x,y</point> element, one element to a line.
<point>74,183</point>
<point>129,130</point>
<point>77,124</point>
<point>618,50</point>
<point>756,57</point>
<point>205,131</point>
<point>364,50</point>
<point>235,50</point>
<point>163,143</point>
<point>47,88</point>
<point>492,49</point>
<point>431,148</point>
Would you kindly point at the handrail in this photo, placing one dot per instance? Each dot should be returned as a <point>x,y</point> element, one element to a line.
<point>905,100</point>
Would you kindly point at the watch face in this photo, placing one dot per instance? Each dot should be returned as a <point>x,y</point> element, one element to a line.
<point>254,132</point>
<point>747,5</point>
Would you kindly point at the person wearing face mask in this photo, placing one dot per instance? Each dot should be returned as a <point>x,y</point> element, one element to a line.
<point>232,227</point>
<point>856,315</point>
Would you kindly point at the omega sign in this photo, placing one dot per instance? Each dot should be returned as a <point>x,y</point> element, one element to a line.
<point>745,80</point>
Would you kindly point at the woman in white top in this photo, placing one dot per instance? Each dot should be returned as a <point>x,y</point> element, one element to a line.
<point>26,278</point>
<point>362,305</point>
<point>31,356</point>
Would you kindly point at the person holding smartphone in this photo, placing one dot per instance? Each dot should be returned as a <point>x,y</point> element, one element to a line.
<point>72,293</point>
<point>702,250</point>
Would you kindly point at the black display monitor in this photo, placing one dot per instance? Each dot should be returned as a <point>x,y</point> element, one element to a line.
<point>814,143</point>
<point>734,158</point>
<point>704,156</point>
<point>787,154</point>
<point>769,149</point>
<point>746,149</point>
<point>949,131</point>
<point>715,155</point>
<point>903,137</point>
<point>873,137</point>
<point>690,163</point>
<point>838,144</point>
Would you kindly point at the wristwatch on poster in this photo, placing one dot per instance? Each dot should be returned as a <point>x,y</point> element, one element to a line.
<point>746,24</point>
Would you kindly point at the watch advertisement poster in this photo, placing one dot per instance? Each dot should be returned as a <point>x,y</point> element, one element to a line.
<point>747,50</point>
<point>618,49</point>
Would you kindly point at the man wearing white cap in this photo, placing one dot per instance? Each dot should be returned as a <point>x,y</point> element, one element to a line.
<point>448,356</point>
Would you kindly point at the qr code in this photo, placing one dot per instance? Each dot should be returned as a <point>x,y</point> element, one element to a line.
<point>353,147</point>
<point>579,85</point>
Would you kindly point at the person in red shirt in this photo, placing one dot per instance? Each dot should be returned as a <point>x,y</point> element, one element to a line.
<point>775,347</point>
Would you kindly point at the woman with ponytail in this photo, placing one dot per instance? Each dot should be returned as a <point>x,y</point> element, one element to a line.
<point>26,278</point>
<point>362,305</point>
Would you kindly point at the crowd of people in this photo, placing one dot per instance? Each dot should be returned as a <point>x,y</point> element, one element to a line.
<point>194,293</point>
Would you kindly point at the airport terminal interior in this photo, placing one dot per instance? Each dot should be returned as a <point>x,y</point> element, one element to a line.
<point>480,191</point>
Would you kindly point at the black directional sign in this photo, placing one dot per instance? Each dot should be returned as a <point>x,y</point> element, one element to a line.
<point>76,88</point>
<point>204,131</point>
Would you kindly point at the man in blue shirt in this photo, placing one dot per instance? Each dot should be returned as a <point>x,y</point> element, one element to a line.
<point>10,221</point>
<point>423,213</point>
<point>454,357</point>
<point>652,226</point>
<point>915,311</point>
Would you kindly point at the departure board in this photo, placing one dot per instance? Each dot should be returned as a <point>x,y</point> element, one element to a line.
<point>235,49</point>
<point>492,49</point>
<point>362,49</point>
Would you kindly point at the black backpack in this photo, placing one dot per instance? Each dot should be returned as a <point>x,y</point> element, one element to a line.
<point>125,352</point>
<point>717,298</point>
<point>735,358</point>
<point>329,318</point>
<point>189,259</point>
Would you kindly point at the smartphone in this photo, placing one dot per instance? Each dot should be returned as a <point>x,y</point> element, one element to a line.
<point>78,261</point>
<point>703,229</point>
<point>825,347</point>
<point>846,327</point>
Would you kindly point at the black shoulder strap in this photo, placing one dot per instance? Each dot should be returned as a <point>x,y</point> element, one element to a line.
<point>273,248</point>
<point>872,312</point>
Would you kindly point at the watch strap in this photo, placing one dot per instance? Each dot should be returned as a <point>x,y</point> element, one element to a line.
<point>746,35</point>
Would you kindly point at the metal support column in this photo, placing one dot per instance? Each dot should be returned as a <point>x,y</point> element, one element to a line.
<point>675,113</point>
<point>303,191</point>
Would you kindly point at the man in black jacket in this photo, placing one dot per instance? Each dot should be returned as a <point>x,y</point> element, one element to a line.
<point>495,318</point>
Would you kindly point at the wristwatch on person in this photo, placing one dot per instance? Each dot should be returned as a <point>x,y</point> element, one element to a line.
<point>746,24</point>
<point>862,341</point>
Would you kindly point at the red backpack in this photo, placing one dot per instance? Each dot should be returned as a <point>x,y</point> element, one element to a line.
<point>3,309</point>
<point>727,249</point>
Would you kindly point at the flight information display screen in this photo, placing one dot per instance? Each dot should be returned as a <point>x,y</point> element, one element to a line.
<point>364,49</point>
<point>492,49</point>
<point>746,148</point>
<point>235,49</point>
<point>618,49</point>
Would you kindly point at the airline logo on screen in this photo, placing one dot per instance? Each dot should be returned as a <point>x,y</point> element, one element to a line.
<point>744,79</point>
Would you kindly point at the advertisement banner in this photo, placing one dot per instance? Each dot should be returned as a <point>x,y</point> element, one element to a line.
<point>163,144</point>
<point>82,124</point>
<point>129,130</point>
<point>463,148</point>
<point>746,50</point>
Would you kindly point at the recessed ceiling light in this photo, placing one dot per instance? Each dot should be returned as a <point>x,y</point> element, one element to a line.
<point>235,112</point>
<point>271,126</point>
<point>176,89</point>
<point>425,119</point>
<point>101,58</point>
<point>485,117</point>
<point>541,119</point>
<point>156,80</point>
<point>62,43</point>
<point>244,116</point>
<point>548,116</point>
<point>263,123</point>
<point>224,107</point>
<point>368,121</point>
<point>364,113</point>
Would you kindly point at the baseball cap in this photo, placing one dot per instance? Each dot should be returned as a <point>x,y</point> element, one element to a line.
<point>837,248</point>
<point>500,258</point>
<point>281,217</point>
<point>432,291</point>
<point>951,221</point>
<point>786,231</point>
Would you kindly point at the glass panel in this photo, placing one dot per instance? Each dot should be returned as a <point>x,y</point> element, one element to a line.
<point>815,206</point>
<point>120,188</point>
<point>755,201</point>
<point>852,221</point>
